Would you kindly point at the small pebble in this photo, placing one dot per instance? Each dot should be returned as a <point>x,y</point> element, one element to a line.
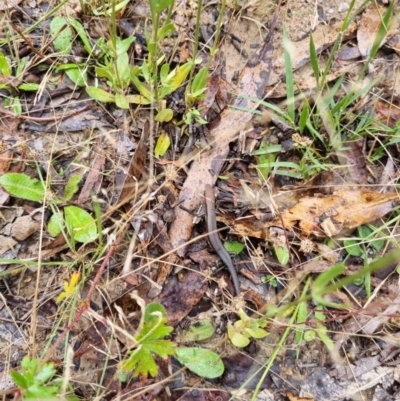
<point>330,11</point>
<point>343,7</point>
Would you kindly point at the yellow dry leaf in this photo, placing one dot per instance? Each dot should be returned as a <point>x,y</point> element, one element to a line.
<point>69,288</point>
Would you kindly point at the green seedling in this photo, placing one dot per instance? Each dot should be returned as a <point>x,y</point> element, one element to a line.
<point>270,279</point>
<point>149,342</point>
<point>243,330</point>
<point>79,224</point>
<point>62,33</point>
<point>16,84</point>
<point>36,381</point>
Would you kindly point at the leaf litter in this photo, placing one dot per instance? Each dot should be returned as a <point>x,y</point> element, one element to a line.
<point>160,255</point>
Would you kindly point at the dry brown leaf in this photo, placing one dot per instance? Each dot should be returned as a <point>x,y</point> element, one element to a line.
<point>388,112</point>
<point>368,27</point>
<point>353,157</point>
<point>127,182</point>
<point>329,215</point>
<point>7,4</point>
<point>95,175</point>
<point>293,397</point>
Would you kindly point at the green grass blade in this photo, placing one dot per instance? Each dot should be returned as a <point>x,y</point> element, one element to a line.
<point>314,60</point>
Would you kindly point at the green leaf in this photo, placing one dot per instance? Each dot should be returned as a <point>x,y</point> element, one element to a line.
<point>46,372</point>
<point>77,76</point>
<point>104,72</point>
<point>164,70</point>
<point>142,361</point>
<point>160,5</point>
<point>166,30</point>
<point>154,328</point>
<point>100,94</point>
<point>55,224</point>
<point>322,332</point>
<point>121,101</point>
<point>162,145</point>
<point>266,158</point>
<point>238,339</point>
<point>4,68</point>
<point>234,246</point>
<point>29,367</point>
<point>136,99</point>
<point>123,69</point>
<point>164,115</point>
<point>197,332</point>
<point>319,315</point>
<point>314,59</point>
<point>257,333</point>
<point>19,380</point>
<point>124,45</point>
<point>81,33</point>
<point>305,112</point>
<point>22,186</point>
<point>175,79</point>
<point>144,69</point>
<point>141,87</point>
<point>322,281</point>
<point>82,224</point>
<point>200,81</point>
<point>72,187</point>
<point>155,318</point>
<point>300,318</point>
<point>309,335</point>
<point>282,253</point>
<point>62,32</point>
<point>28,87</point>
<point>201,361</point>
<point>352,247</point>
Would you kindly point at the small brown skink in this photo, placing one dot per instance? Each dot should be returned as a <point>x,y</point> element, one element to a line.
<point>214,239</point>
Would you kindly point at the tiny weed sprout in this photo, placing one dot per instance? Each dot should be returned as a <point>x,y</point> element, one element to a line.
<point>246,328</point>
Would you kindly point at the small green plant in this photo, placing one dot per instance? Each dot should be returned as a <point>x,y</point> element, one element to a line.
<point>309,334</point>
<point>79,224</point>
<point>246,328</point>
<point>154,79</point>
<point>36,381</point>
<point>149,341</point>
<point>13,82</point>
